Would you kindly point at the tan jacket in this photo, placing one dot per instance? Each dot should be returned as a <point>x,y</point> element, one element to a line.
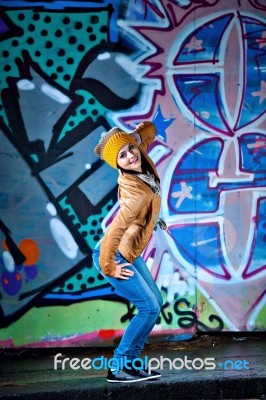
<point>132,227</point>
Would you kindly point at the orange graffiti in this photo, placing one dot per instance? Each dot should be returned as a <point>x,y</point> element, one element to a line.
<point>5,245</point>
<point>30,250</point>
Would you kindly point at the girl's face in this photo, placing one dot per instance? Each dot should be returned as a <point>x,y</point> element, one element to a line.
<point>129,158</point>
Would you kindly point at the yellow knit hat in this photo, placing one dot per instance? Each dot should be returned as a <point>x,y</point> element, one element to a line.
<point>110,144</point>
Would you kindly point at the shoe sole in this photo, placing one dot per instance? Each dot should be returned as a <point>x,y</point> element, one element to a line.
<point>127,381</point>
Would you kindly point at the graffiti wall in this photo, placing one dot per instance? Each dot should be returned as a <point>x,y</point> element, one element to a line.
<point>69,72</point>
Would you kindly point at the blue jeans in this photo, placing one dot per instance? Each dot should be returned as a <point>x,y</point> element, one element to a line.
<point>141,290</point>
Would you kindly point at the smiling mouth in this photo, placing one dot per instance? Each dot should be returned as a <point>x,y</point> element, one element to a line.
<point>134,161</point>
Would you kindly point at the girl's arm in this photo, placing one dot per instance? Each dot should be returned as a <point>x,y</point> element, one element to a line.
<point>129,209</point>
<point>144,134</point>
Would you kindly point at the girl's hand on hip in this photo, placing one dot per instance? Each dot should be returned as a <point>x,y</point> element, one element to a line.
<point>121,272</point>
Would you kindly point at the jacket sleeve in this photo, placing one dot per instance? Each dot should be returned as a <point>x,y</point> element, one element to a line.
<point>129,209</point>
<point>146,130</point>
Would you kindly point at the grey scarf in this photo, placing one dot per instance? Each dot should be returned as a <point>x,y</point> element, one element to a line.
<point>152,182</point>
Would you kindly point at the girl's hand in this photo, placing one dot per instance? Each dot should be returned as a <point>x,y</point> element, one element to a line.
<point>121,272</point>
<point>136,136</point>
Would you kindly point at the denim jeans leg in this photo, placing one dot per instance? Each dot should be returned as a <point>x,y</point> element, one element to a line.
<point>142,268</point>
<point>138,292</point>
<point>141,290</point>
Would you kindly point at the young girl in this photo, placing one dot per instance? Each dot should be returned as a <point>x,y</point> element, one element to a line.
<point>118,255</point>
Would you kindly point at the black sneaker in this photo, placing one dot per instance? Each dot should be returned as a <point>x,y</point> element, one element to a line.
<point>144,372</point>
<point>125,375</point>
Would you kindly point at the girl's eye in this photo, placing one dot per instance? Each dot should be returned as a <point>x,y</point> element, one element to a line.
<point>131,146</point>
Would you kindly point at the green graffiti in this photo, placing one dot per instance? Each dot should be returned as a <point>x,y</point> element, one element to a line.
<point>92,230</point>
<point>54,42</point>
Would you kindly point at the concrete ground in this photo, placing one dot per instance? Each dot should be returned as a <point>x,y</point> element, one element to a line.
<point>237,370</point>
